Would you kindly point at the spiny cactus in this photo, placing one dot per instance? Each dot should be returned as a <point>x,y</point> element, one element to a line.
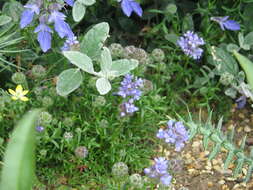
<point>212,132</point>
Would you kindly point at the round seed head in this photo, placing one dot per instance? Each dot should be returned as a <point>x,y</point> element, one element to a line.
<point>158,55</point>
<point>81,152</point>
<point>18,78</point>
<point>119,169</point>
<point>47,101</point>
<point>45,118</point>
<point>136,180</point>
<point>116,50</point>
<point>38,71</point>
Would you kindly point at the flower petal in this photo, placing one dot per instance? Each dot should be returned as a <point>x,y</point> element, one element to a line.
<point>232,25</point>
<point>136,8</point>
<point>44,38</point>
<point>25,92</point>
<point>12,92</point>
<point>26,18</point>
<point>23,98</point>
<point>14,98</point>
<point>19,89</point>
<point>126,7</point>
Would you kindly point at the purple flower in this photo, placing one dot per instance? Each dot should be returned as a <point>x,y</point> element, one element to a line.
<point>241,102</point>
<point>60,26</point>
<point>174,134</point>
<point>129,6</point>
<point>69,43</point>
<point>159,171</point>
<point>130,87</point>
<point>190,43</point>
<point>44,35</point>
<point>226,24</point>
<point>69,2</point>
<point>40,128</point>
<point>28,13</point>
<point>166,179</point>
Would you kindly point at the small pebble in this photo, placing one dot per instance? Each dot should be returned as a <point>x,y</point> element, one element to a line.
<point>247,129</point>
<point>221,182</point>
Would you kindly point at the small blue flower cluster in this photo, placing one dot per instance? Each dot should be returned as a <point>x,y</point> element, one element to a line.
<point>159,171</point>
<point>48,13</point>
<point>129,89</point>
<point>175,133</point>
<point>190,43</point>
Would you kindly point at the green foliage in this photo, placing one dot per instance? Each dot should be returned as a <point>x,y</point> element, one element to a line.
<point>79,9</point>
<point>247,66</point>
<point>19,160</point>
<point>68,81</point>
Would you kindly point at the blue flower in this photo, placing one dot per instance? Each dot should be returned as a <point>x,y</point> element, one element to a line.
<point>44,36</point>
<point>28,13</point>
<point>226,24</point>
<point>60,26</point>
<point>175,133</point>
<point>241,102</point>
<point>159,170</point>
<point>40,128</point>
<point>69,2</point>
<point>129,6</point>
<point>190,43</point>
<point>69,43</point>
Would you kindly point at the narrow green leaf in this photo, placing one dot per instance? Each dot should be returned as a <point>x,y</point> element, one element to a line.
<point>228,159</point>
<point>80,60</point>
<point>4,20</point>
<point>19,160</point>
<point>215,151</point>
<point>103,86</point>
<point>94,40</point>
<point>247,66</point>
<point>249,173</point>
<point>78,11</point>
<point>68,81</point>
<point>238,167</point>
<point>206,141</point>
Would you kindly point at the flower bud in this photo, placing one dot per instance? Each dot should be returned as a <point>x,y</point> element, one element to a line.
<point>38,71</point>
<point>18,78</point>
<point>68,135</point>
<point>116,50</point>
<point>147,86</point>
<point>158,55</point>
<point>68,122</point>
<point>226,78</point>
<point>119,169</point>
<point>136,180</point>
<point>81,152</point>
<point>45,118</point>
<point>99,101</point>
<point>47,101</point>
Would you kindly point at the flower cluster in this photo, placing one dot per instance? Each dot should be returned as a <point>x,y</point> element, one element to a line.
<point>129,89</point>
<point>159,171</point>
<point>174,134</point>
<point>190,43</point>
<point>226,24</point>
<point>48,13</point>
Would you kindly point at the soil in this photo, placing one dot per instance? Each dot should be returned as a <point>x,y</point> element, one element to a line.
<point>193,170</point>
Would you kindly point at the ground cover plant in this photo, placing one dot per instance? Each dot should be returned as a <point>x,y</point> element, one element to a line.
<point>126,91</point>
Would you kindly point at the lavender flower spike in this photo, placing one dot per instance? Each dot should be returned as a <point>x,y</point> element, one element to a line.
<point>129,6</point>
<point>28,13</point>
<point>226,24</point>
<point>190,43</point>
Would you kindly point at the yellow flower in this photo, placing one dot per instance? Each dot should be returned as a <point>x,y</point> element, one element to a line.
<point>19,93</point>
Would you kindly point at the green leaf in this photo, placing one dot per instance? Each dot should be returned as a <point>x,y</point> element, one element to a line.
<point>122,67</point>
<point>13,9</point>
<point>103,86</point>
<point>224,62</point>
<point>19,160</point>
<point>68,81</point>
<point>4,20</point>
<point>80,60</point>
<point>247,66</point>
<point>249,39</point>
<point>78,11</point>
<point>106,60</point>
<point>94,40</point>
<point>87,2</point>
